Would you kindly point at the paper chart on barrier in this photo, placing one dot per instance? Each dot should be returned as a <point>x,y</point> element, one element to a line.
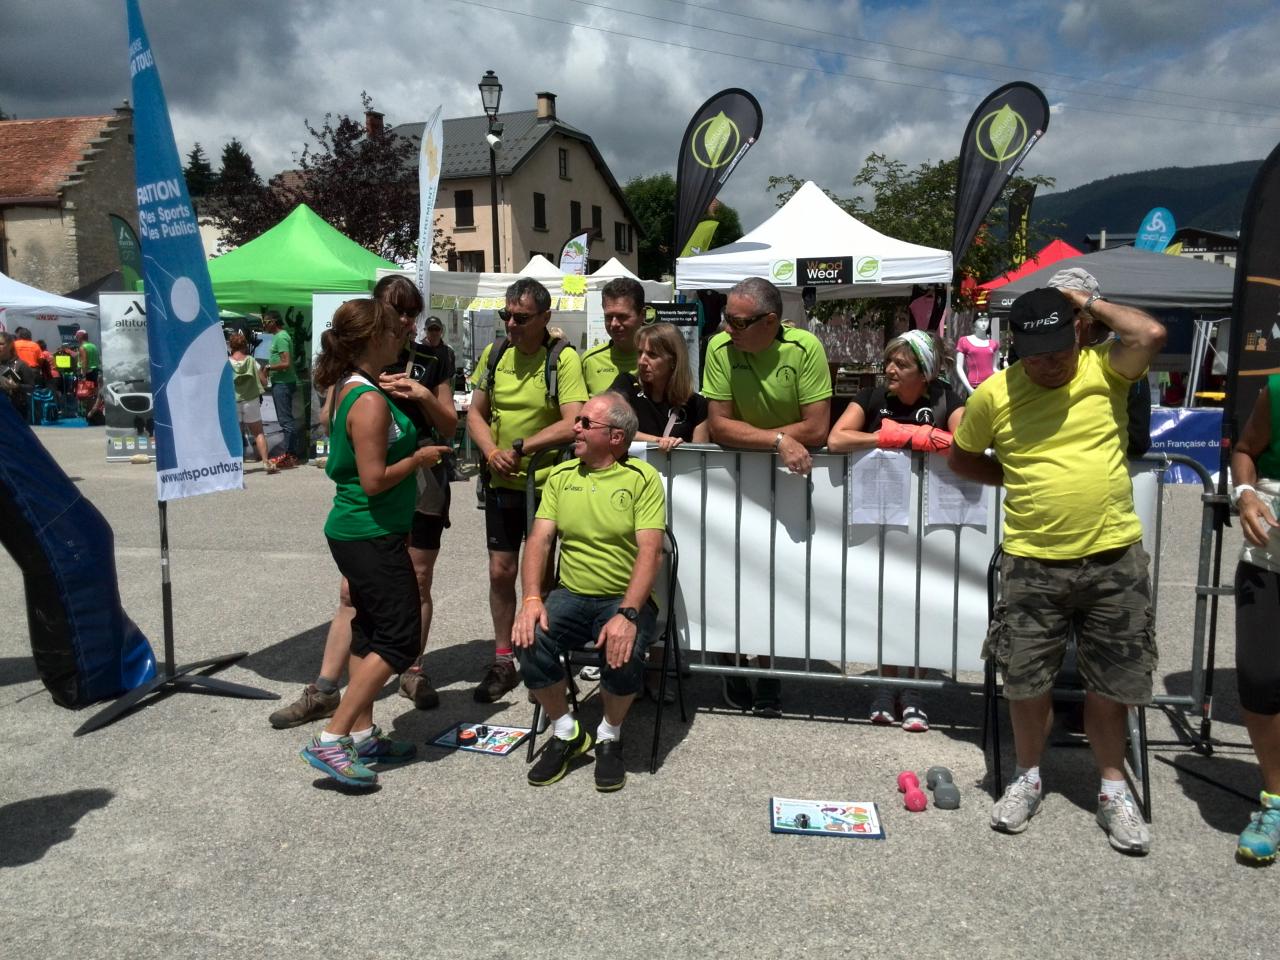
<point>879,488</point>
<point>952,499</point>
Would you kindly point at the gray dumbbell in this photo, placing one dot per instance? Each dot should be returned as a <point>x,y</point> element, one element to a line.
<point>946,796</point>
<point>937,775</point>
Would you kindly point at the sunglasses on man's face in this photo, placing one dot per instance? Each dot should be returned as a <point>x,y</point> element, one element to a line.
<point>586,423</point>
<point>741,323</point>
<point>519,319</point>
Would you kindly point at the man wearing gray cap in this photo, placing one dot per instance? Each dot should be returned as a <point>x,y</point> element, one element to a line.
<point>1073,556</point>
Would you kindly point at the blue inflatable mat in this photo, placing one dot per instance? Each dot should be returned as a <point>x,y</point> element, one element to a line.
<point>84,645</point>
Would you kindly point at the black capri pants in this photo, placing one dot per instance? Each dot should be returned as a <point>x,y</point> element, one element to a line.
<point>1258,638</point>
<point>384,592</point>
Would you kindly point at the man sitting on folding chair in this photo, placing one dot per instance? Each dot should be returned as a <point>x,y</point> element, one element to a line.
<point>610,513</point>
<point>1073,551</point>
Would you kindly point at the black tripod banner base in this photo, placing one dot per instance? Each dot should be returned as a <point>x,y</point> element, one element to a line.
<point>166,682</point>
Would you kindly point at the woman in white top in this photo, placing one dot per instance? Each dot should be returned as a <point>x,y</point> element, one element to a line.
<point>250,381</point>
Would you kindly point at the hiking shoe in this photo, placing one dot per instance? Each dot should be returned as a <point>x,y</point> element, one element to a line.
<point>314,704</point>
<point>1019,804</point>
<point>736,692</point>
<point>611,774</point>
<point>556,755</point>
<point>415,686</point>
<point>768,698</point>
<point>379,748</point>
<point>1125,828</point>
<point>914,719</point>
<point>502,676</point>
<point>339,760</point>
<point>1258,841</point>
<point>883,710</point>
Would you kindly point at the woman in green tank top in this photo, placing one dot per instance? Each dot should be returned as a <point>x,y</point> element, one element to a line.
<point>373,461</point>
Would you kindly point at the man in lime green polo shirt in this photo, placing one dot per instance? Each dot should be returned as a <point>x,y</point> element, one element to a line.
<point>609,511</point>
<point>768,387</point>
<point>623,301</point>
<point>511,418</point>
<point>1073,558</point>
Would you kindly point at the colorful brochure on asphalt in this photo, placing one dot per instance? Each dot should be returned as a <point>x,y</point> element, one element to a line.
<point>826,818</point>
<point>489,738</point>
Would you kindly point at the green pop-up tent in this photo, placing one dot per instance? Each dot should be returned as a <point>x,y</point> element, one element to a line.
<point>299,256</point>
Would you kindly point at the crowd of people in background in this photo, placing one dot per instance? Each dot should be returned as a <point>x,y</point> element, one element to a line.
<point>44,385</point>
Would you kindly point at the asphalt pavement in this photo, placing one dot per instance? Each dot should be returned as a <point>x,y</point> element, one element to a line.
<point>191,829</point>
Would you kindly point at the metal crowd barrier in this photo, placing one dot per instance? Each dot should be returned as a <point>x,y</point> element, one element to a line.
<point>784,567</point>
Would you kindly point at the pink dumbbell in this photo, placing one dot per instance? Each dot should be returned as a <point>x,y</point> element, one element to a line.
<point>914,798</point>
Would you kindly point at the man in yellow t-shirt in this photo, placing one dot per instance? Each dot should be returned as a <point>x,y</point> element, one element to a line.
<point>511,418</point>
<point>1073,557</point>
<point>768,387</point>
<point>610,512</point>
<point>623,301</point>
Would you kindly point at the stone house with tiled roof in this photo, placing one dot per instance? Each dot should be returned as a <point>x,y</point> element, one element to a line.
<point>552,184</point>
<point>59,179</point>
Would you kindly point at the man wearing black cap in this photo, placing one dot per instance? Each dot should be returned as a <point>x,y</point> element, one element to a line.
<point>1073,557</point>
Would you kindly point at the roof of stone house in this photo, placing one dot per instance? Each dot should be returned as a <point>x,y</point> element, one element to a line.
<point>466,152</point>
<point>40,158</point>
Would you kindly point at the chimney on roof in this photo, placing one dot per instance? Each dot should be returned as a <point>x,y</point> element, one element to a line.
<point>124,110</point>
<point>372,123</point>
<point>546,106</point>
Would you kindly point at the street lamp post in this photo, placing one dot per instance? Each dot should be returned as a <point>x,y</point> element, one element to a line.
<point>491,97</point>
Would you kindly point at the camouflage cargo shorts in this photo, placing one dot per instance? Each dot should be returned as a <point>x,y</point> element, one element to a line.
<point>1103,599</point>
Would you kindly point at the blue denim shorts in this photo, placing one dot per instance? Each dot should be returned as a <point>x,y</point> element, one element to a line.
<point>574,623</point>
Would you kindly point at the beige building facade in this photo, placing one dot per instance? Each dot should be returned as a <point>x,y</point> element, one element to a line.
<point>60,178</point>
<point>552,184</point>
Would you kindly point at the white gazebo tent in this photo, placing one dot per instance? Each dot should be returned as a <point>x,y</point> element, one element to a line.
<point>49,317</point>
<point>811,226</point>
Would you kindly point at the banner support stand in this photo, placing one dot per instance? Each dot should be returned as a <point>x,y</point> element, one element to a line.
<point>170,677</point>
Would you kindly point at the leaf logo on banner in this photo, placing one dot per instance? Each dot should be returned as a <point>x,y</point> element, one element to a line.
<point>1004,132</point>
<point>433,157</point>
<point>715,136</point>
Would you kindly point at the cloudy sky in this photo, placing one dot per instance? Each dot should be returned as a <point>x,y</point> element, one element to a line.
<point>1133,84</point>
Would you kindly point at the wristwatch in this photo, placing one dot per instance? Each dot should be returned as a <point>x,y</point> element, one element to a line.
<point>777,441</point>
<point>631,613</point>
<point>1092,299</point>
<point>518,448</point>
<point>1239,491</point>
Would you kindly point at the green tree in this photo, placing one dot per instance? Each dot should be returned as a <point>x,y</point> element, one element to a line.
<point>199,173</point>
<point>653,199</point>
<point>364,183</point>
<point>919,206</point>
<point>239,205</point>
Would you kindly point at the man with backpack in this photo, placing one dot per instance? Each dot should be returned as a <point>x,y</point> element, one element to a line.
<point>527,390</point>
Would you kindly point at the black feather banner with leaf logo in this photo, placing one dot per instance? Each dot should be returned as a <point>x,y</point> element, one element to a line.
<point>1000,134</point>
<point>716,140</point>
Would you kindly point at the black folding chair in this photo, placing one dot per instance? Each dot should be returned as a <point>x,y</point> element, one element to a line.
<point>993,692</point>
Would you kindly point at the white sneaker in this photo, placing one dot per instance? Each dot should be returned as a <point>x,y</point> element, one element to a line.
<point>1019,804</point>
<point>589,673</point>
<point>1126,830</point>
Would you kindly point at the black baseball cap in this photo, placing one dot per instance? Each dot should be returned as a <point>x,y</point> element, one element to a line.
<point>434,323</point>
<point>1042,321</point>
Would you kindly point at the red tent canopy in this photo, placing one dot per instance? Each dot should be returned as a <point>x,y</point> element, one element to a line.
<point>1052,253</point>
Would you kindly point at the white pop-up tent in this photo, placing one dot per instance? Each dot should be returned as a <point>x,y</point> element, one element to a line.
<point>811,242</point>
<point>49,317</point>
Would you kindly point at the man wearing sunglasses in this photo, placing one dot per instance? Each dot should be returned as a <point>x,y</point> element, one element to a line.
<point>512,416</point>
<point>768,388</point>
<point>609,512</point>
